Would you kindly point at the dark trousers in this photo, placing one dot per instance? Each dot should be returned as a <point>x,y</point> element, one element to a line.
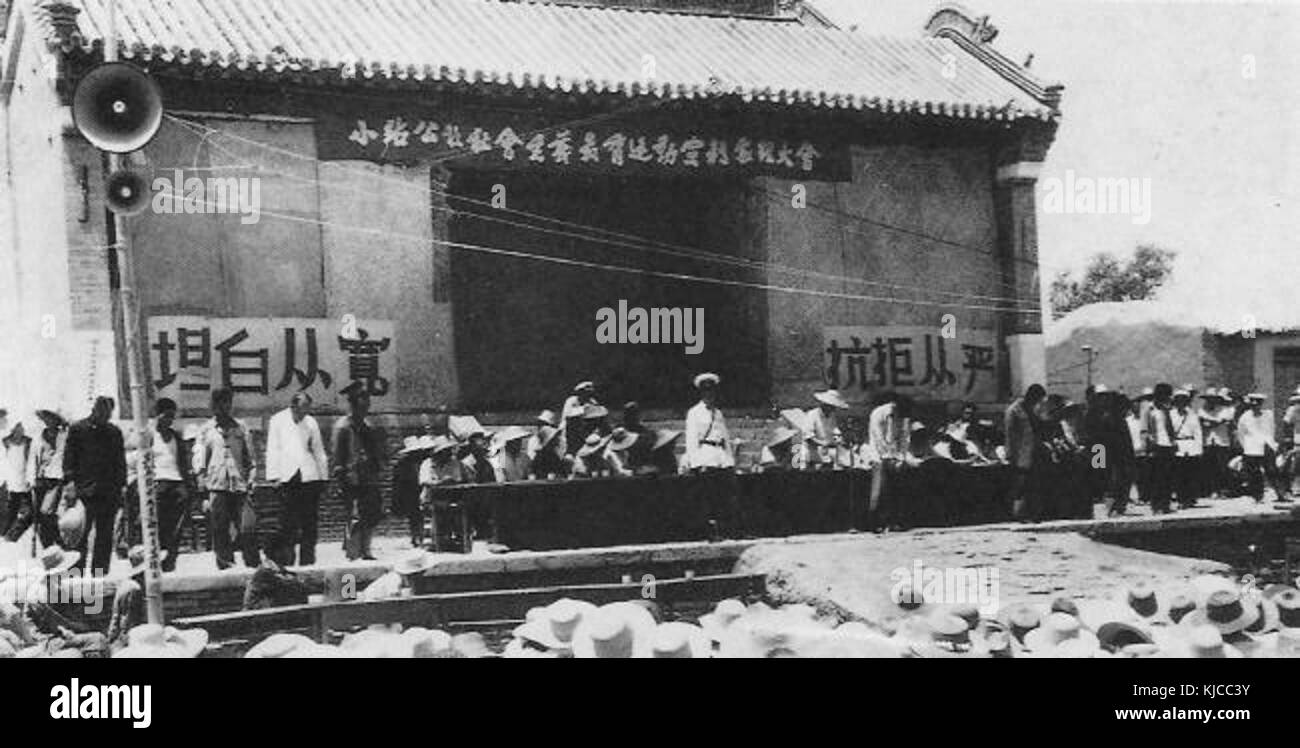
<point>1142,477</point>
<point>18,515</point>
<point>96,546</point>
<point>173,502</point>
<point>883,508</point>
<point>365,510</point>
<point>1162,478</point>
<point>1217,476</point>
<point>46,494</point>
<point>232,523</point>
<point>299,504</point>
<point>1261,470</point>
<point>1189,482</point>
<point>1017,494</point>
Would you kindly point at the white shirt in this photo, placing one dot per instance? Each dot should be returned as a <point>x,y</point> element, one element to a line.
<point>15,476</point>
<point>822,427</point>
<point>1137,433</point>
<point>705,424</point>
<point>164,458</point>
<point>1255,432</point>
<point>1292,419</point>
<point>1160,427</point>
<point>1187,429</point>
<point>294,448</point>
<point>1218,434</point>
<point>890,435</point>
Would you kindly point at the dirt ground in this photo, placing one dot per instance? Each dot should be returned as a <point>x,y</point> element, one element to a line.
<point>852,579</point>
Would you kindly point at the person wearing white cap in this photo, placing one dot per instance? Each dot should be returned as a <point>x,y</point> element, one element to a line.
<point>512,461</point>
<point>708,443</point>
<point>572,427</point>
<point>1258,447</point>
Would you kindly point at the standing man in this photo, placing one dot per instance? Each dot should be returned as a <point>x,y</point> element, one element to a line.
<point>1258,448</point>
<point>889,431</point>
<point>17,481</point>
<point>1291,433</point>
<point>1021,427</point>
<point>358,448</point>
<point>45,476</point>
<point>296,465</point>
<point>1161,447</point>
<point>94,466</point>
<point>1217,422</point>
<point>708,444</point>
<point>172,465</point>
<point>223,467</point>
<point>823,430</point>
<point>1189,482</point>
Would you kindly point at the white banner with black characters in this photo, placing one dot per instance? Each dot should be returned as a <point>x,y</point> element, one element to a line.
<point>264,361</point>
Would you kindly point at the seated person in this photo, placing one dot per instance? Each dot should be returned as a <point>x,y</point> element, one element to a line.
<point>477,460</point>
<point>592,460</point>
<point>512,462</point>
<point>921,445</point>
<point>622,454</point>
<point>663,455</point>
<point>549,462</point>
<point>778,454</point>
<point>400,581</point>
<point>273,585</point>
<point>441,468</point>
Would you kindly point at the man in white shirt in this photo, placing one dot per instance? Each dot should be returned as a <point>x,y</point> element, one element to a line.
<point>1258,448</point>
<point>822,439</point>
<point>1217,421</point>
<point>1161,447</point>
<point>1189,482</point>
<point>708,444</point>
<point>296,465</point>
<point>889,432</point>
<point>172,480</point>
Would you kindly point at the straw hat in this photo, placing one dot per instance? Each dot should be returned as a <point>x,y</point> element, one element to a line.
<point>512,433</point>
<point>681,640</point>
<point>72,524</point>
<point>55,560</point>
<point>427,643</point>
<point>409,444</point>
<point>594,443</point>
<point>781,436</point>
<point>665,438</point>
<point>592,412</point>
<point>151,640</point>
<point>615,631</point>
<point>1060,629</point>
<point>463,427</point>
<point>439,444</point>
<point>277,646</point>
<point>1288,605</point>
<point>1258,397</point>
<point>707,379</point>
<point>1225,611</point>
<point>584,386</point>
<point>548,418</point>
<point>1203,642</point>
<point>136,562</point>
<point>554,625</point>
<point>725,613</point>
<point>622,439</point>
<point>1020,619</point>
<point>832,398</point>
<point>414,562</point>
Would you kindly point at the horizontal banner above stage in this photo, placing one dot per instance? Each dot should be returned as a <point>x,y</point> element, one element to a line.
<point>264,361</point>
<point>648,145</point>
<point>913,360</point>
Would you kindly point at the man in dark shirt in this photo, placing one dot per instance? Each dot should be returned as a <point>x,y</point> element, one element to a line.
<point>358,448</point>
<point>94,466</point>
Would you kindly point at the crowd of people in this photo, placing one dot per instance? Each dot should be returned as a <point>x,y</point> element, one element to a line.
<point>74,482</point>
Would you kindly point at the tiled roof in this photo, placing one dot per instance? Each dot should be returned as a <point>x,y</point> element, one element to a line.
<point>562,48</point>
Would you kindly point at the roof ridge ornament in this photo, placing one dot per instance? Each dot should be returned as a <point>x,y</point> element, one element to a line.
<point>975,35</point>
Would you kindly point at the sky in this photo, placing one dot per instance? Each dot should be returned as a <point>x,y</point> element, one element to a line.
<point>1201,98</point>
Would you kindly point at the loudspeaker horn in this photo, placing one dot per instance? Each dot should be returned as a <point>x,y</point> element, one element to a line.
<point>128,192</point>
<point>117,107</point>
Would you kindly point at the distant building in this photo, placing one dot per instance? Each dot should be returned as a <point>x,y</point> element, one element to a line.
<point>432,199</point>
<point>1139,343</point>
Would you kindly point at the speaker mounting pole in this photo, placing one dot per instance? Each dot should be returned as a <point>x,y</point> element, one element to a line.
<point>130,306</point>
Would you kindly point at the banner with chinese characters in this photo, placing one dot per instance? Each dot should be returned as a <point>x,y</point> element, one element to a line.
<point>915,361</point>
<point>266,360</point>
<point>648,145</point>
